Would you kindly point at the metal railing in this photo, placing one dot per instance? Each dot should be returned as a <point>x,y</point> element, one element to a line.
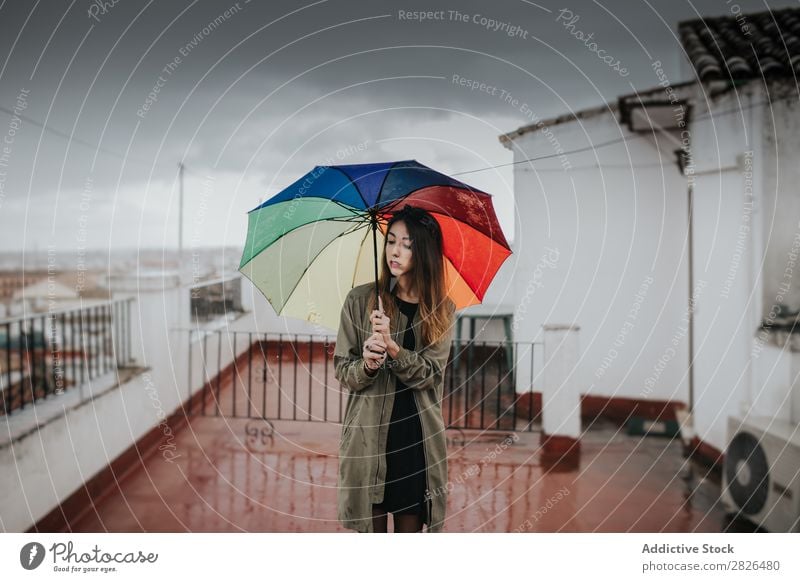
<point>292,377</point>
<point>48,353</point>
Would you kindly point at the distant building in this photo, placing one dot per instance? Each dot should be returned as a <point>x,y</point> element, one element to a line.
<point>10,281</point>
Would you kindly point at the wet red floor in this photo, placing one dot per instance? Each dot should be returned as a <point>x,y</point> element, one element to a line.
<point>223,474</point>
<point>223,480</point>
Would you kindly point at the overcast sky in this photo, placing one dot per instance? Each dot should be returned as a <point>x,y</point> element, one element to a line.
<point>251,95</point>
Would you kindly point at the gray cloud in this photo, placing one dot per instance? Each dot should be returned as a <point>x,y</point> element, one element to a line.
<point>245,100</point>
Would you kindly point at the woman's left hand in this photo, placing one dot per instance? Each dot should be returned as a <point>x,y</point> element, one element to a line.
<point>381,324</point>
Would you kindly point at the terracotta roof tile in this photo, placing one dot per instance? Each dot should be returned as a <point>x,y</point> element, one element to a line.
<point>744,46</point>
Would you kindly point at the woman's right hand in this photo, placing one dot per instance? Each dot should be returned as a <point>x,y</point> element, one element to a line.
<point>374,351</point>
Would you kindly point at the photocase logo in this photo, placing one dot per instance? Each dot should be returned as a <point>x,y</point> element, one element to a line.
<point>31,555</point>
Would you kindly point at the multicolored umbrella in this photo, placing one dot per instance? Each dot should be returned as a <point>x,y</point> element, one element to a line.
<point>308,245</point>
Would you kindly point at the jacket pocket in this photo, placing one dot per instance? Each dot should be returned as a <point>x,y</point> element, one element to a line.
<point>351,419</point>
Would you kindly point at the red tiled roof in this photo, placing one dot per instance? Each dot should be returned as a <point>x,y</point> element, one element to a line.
<point>744,46</point>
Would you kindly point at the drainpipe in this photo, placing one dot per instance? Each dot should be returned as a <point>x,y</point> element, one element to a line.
<point>690,196</point>
<point>682,157</point>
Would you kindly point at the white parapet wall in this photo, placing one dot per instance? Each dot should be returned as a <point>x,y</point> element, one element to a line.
<point>51,450</point>
<point>561,394</point>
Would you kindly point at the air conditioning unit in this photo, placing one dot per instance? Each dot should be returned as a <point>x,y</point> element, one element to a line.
<point>761,472</point>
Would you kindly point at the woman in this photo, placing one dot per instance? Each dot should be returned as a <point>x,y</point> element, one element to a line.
<point>391,358</point>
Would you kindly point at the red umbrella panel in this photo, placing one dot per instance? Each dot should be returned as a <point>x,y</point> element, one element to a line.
<point>474,244</point>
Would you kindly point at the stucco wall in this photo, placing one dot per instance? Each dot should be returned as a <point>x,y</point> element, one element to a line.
<point>601,237</point>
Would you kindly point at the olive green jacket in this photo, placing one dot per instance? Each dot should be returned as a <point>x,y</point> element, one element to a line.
<point>362,448</point>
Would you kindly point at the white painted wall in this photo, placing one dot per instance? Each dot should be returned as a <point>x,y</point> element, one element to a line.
<point>615,225</point>
<point>776,390</point>
<point>613,229</point>
<point>48,465</point>
<point>724,324</point>
<point>780,151</point>
<point>742,257</point>
<point>561,402</point>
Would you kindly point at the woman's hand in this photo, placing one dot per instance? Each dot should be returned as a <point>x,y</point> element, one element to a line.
<point>374,351</point>
<point>381,326</point>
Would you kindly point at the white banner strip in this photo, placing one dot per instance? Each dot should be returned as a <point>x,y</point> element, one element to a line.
<point>353,557</point>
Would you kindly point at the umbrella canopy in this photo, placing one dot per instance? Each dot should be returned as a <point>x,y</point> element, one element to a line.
<point>311,243</point>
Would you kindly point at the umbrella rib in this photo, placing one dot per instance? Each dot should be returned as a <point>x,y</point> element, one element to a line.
<point>345,206</point>
<point>383,183</point>
<point>355,218</point>
<point>391,203</point>
<point>360,248</point>
<point>476,192</point>
<point>490,237</point>
<point>349,179</point>
<point>300,278</point>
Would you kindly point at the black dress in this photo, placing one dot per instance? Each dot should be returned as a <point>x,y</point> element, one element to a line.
<point>404,491</point>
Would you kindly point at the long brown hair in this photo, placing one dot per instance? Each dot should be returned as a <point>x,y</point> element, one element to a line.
<point>427,273</point>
